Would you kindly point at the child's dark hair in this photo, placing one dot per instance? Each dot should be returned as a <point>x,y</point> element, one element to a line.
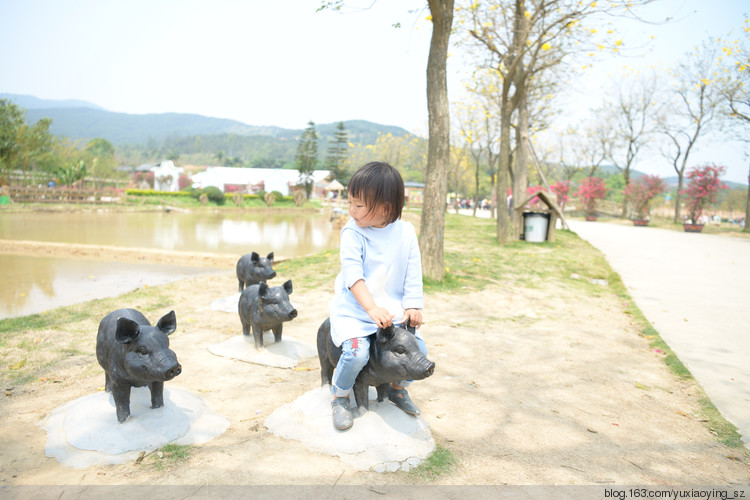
<point>379,184</point>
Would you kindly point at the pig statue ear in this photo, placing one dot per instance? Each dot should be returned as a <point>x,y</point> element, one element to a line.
<point>409,328</point>
<point>168,323</point>
<point>254,257</point>
<point>270,256</point>
<point>262,289</point>
<point>288,287</point>
<point>127,330</point>
<point>385,335</point>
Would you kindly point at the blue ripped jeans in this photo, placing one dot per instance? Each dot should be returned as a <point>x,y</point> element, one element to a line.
<point>354,356</point>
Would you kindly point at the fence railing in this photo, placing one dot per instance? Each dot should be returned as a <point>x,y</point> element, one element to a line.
<point>30,194</point>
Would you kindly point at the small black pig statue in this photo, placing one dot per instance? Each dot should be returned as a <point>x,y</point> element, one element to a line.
<point>252,269</point>
<point>264,308</point>
<point>394,356</point>
<point>134,354</point>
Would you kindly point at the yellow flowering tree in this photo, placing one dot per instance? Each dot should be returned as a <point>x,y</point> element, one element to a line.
<point>523,40</point>
<point>691,109</point>
<point>735,90</point>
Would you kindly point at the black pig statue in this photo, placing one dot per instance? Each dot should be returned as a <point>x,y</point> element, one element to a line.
<point>394,356</point>
<point>252,269</point>
<point>134,354</point>
<point>264,308</point>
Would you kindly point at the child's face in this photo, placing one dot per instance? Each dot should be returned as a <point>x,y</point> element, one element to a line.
<point>359,212</point>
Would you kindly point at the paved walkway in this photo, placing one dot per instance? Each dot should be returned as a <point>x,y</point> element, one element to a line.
<point>695,289</point>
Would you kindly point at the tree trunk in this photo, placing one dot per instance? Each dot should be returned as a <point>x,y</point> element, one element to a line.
<point>503,170</point>
<point>678,199</point>
<point>626,178</point>
<point>476,188</point>
<point>438,153</point>
<point>518,169</point>
<point>521,168</point>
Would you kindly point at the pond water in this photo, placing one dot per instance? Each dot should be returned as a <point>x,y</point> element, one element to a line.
<point>33,284</point>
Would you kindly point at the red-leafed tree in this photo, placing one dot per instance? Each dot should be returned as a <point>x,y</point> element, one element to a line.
<point>704,184</point>
<point>561,190</point>
<point>590,192</point>
<point>641,191</point>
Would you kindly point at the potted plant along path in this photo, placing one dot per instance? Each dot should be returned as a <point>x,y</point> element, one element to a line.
<point>703,186</point>
<point>591,190</point>
<point>640,193</point>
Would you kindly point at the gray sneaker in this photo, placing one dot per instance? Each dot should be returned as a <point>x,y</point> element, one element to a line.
<point>341,413</point>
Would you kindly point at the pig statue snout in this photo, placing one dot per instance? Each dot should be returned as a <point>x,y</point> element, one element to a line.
<point>430,370</point>
<point>173,372</point>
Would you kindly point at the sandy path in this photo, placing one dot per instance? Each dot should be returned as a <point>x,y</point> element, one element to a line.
<point>532,386</point>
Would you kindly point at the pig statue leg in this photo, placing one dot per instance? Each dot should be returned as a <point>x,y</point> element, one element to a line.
<point>258,336</point>
<point>121,395</point>
<point>245,330</point>
<point>383,390</point>
<point>277,333</point>
<point>361,397</point>
<point>157,394</point>
<point>242,285</point>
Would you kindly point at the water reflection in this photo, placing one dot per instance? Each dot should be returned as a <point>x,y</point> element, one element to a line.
<point>286,235</point>
<point>34,284</point>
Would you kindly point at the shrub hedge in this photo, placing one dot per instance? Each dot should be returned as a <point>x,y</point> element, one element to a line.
<point>214,194</point>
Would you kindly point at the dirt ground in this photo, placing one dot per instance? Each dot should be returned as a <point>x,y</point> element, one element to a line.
<point>532,386</point>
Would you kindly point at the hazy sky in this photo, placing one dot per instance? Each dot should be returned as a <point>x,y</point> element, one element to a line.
<point>278,62</point>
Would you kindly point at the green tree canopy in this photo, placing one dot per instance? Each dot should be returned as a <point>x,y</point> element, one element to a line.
<point>22,147</point>
<point>338,155</point>
<point>101,148</point>
<point>307,156</point>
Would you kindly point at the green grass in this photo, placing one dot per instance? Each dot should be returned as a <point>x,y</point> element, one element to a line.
<point>474,260</point>
<point>170,456</point>
<point>188,202</point>
<point>310,270</point>
<point>725,431</point>
<point>439,463</point>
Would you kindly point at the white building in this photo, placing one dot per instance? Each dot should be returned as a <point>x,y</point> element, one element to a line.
<point>167,177</point>
<point>274,179</point>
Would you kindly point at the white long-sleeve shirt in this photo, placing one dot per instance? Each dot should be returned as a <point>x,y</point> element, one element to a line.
<point>389,261</point>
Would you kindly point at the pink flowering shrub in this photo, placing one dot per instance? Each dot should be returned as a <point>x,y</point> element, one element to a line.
<point>642,191</point>
<point>561,190</point>
<point>590,192</point>
<point>534,203</point>
<point>184,181</point>
<point>703,186</point>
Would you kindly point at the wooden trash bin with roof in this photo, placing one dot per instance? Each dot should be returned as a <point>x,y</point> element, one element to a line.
<point>553,210</point>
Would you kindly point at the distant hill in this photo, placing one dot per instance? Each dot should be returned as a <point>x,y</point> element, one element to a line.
<point>83,120</point>
<point>31,102</point>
